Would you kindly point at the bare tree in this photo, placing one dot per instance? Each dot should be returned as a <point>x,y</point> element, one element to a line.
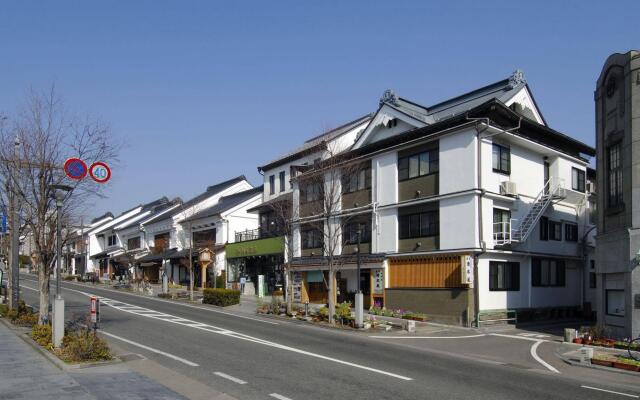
<point>186,239</point>
<point>49,134</point>
<point>321,212</point>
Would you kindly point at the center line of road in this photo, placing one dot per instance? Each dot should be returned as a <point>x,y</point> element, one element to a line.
<point>427,337</point>
<point>231,378</point>
<point>610,391</point>
<point>151,349</point>
<point>279,396</point>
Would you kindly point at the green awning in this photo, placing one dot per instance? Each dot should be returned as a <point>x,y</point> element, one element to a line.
<point>260,247</point>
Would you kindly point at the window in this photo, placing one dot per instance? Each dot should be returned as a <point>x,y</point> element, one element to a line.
<point>544,228</point>
<point>392,123</point>
<point>311,192</point>
<point>293,175</point>
<point>206,238</point>
<point>547,272</point>
<point>614,176</point>
<point>161,241</point>
<point>555,230</point>
<point>111,240</point>
<point>592,263</point>
<point>501,159</point>
<point>501,226</point>
<point>311,239</point>
<point>419,164</point>
<point>570,232</point>
<point>504,276</point>
<point>357,181</point>
<point>592,280</point>
<point>281,178</point>
<point>272,184</point>
<point>615,302</point>
<point>351,229</point>
<point>577,180</point>
<point>419,225</point>
<point>133,243</point>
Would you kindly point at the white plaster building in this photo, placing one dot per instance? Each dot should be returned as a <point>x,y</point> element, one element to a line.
<point>468,207</point>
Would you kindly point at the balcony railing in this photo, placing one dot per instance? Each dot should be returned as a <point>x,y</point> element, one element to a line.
<point>254,234</point>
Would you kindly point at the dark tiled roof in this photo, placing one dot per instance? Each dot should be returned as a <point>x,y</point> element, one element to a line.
<point>315,143</point>
<point>105,215</point>
<point>157,209</point>
<point>211,190</point>
<point>226,203</point>
<point>143,207</point>
<point>266,205</point>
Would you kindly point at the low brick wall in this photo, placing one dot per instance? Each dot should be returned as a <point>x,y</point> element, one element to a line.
<point>447,306</point>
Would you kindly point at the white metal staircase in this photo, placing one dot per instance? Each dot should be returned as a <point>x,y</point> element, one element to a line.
<point>505,233</point>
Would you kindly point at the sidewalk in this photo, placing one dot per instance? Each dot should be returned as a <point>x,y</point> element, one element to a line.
<point>27,374</point>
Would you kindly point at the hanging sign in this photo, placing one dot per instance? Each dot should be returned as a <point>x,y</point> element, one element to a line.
<point>378,281</point>
<point>75,168</point>
<point>467,270</point>
<point>100,172</point>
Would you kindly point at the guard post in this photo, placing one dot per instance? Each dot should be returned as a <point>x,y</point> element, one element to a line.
<point>95,312</point>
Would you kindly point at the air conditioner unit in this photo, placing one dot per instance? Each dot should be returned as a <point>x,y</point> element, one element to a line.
<point>508,188</point>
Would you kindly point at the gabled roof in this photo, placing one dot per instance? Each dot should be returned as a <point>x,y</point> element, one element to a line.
<point>157,209</point>
<point>316,143</point>
<point>225,203</point>
<point>211,191</point>
<point>143,208</point>
<point>108,214</point>
<point>499,114</point>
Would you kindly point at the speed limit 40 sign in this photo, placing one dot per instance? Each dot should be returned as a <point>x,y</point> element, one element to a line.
<point>100,172</point>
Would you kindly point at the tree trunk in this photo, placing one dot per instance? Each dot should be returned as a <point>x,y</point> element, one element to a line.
<point>289,278</point>
<point>43,285</point>
<point>191,278</point>
<point>9,287</point>
<point>332,291</point>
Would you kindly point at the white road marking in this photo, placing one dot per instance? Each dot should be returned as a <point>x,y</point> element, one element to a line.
<point>231,378</point>
<point>535,355</point>
<point>279,396</point>
<point>142,346</point>
<point>610,391</point>
<point>427,337</point>
<point>221,331</point>
<point>179,304</point>
<point>518,337</point>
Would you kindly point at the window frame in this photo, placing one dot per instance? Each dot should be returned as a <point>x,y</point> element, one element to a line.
<point>570,232</point>
<point>361,177</point>
<point>501,211</point>
<point>544,229</point>
<point>316,192</point>
<point>349,232</point>
<point>431,158</point>
<point>500,168</point>
<point>553,231</point>
<point>281,178</point>
<point>578,180</point>
<point>514,275</point>
<point>272,184</point>
<point>134,238</point>
<point>115,240</point>
<point>417,220</point>
<point>317,241</point>
<point>614,176</point>
<point>606,299</point>
<point>537,271</point>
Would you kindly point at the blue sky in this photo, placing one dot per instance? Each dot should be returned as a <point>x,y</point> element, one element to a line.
<point>204,91</point>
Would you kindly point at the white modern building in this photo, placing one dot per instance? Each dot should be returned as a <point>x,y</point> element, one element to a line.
<point>467,208</point>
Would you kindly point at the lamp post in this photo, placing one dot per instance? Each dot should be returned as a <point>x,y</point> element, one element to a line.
<point>60,193</point>
<point>15,236</point>
<point>204,258</point>
<point>359,298</point>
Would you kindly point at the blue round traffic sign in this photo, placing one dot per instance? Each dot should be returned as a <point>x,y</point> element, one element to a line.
<point>75,168</point>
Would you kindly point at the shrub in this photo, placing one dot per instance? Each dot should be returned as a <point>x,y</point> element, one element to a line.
<point>165,295</point>
<point>83,345</point>
<point>26,320</point>
<point>275,305</point>
<point>343,311</point>
<point>415,316</point>
<point>323,312</point>
<point>221,297</point>
<point>42,335</point>
<point>4,309</point>
<point>263,308</point>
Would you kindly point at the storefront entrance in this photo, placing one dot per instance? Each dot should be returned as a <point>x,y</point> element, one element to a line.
<point>271,267</point>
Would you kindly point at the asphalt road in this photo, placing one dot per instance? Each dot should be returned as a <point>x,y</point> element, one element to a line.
<point>259,358</point>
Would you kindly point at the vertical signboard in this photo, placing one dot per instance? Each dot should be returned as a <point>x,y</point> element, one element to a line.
<point>260,285</point>
<point>297,286</point>
<point>378,281</point>
<point>467,270</point>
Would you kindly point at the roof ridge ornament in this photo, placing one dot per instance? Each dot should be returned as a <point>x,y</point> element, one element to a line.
<point>517,78</point>
<point>389,96</point>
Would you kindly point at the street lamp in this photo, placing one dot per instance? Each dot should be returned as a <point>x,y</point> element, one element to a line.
<point>60,193</point>
<point>204,258</point>
<point>359,298</point>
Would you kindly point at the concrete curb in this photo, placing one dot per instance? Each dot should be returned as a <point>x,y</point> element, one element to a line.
<point>62,365</point>
<point>600,367</point>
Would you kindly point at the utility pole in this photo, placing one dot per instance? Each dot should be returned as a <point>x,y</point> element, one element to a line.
<point>359,297</point>
<point>58,304</point>
<point>15,234</point>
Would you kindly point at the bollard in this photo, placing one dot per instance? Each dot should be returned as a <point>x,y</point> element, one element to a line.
<point>411,326</point>
<point>586,354</point>
<point>570,334</point>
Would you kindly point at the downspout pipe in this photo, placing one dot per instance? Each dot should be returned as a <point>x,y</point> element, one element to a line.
<point>586,266</point>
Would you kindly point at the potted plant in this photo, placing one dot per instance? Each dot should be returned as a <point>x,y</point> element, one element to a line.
<point>599,361</point>
<point>577,340</point>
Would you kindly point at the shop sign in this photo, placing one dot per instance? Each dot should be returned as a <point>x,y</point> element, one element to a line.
<point>378,281</point>
<point>467,270</point>
<point>260,286</point>
<point>255,247</point>
<point>297,286</point>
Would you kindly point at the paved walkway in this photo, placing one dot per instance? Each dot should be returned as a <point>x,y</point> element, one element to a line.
<point>27,374</point>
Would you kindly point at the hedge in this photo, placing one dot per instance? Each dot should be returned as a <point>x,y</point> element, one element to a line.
<point>221,297</point>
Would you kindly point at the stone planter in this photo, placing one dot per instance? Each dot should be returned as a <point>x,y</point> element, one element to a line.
<point>625,366</point>
<point>604,363</point>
